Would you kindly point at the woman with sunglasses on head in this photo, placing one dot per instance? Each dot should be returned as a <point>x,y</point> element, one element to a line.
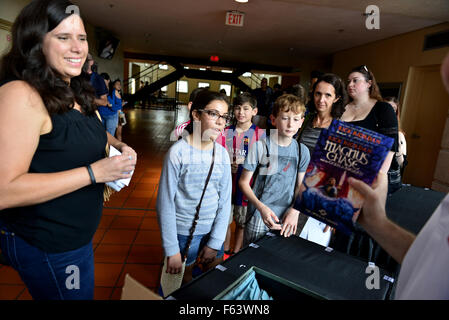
<point>183,179</point>
<point>367,109</point>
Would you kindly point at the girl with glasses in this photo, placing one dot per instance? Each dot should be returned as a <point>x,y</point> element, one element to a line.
<point>184,173</point>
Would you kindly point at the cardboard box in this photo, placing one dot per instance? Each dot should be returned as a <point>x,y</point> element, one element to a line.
<point>133,290</point>
<point>276,287</point>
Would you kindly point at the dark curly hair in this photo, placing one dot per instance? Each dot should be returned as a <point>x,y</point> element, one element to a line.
<point>339,107</point>
<point>26,61</point>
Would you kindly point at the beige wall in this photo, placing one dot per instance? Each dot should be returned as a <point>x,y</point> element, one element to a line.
<point>390,60</point>
<point>113,67</point>
<point>9,10</point>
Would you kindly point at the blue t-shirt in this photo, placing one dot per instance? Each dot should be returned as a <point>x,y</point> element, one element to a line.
<point>279,183</point>
<point>115,102</point>
<point>99,85</point>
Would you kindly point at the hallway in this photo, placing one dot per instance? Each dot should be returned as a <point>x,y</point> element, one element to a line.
<point>128,237</point>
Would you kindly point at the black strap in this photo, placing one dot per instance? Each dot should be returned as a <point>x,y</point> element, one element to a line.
<point>198,207</point>
<point>260,165</point>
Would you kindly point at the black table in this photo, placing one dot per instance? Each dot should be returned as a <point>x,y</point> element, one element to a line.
<point>327,274</point>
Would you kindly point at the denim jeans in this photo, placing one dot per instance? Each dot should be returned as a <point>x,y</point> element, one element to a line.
<point>50,276</point>
<point>110,123</point>
<point>198,242</point>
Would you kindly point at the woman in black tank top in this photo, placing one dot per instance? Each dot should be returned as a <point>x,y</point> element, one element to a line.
<point>54,167</point>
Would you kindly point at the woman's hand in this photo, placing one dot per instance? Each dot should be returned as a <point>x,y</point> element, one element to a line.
<point>207,255</point>
<point>113,168</point>
<point>174,264</point>
<point>128,151</point>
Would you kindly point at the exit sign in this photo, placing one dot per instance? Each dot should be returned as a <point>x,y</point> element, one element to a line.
<point>234,18</point>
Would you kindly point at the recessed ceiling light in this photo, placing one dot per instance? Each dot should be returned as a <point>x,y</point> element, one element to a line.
<point>241,1</point>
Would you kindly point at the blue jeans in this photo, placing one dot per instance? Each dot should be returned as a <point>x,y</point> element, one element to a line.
<point>50,276</point>
<point>110,123</point>
<point>198,243</point>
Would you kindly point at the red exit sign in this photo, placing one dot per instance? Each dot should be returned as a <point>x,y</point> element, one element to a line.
<point>234,18</point>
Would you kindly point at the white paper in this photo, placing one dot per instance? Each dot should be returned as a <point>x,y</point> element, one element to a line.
<point>313,231</point>
<point>117,185</point>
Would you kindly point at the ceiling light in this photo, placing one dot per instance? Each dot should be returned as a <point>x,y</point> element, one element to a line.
<point>241,1</point>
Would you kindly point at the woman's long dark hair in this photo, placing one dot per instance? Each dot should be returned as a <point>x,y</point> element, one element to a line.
<point>338,108</point>
<point>26,60</point>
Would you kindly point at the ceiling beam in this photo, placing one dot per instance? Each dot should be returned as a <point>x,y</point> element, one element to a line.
<point>242,66</point>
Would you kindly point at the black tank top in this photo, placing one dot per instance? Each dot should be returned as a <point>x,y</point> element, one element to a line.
<point>70,221</point>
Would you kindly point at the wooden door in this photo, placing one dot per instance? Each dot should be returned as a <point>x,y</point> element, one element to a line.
<point>426,105</point>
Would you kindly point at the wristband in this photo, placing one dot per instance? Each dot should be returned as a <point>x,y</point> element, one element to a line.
<point>91,174</point>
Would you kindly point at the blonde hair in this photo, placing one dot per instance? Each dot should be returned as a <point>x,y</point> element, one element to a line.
<point>288,102</point>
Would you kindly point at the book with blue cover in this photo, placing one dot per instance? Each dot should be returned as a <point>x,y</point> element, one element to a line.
<point>342,151</point>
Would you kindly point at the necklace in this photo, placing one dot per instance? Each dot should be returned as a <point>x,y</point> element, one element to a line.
<point>324,124</point>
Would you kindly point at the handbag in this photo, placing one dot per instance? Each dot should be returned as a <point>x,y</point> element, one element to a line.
<point>122,118</point>
<point>108,191</point>
<point>171,282</point>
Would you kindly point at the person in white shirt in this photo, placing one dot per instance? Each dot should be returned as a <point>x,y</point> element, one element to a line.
<point>425,257</point>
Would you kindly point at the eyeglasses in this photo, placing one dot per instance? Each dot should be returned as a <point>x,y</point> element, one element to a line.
<point>214,115</point>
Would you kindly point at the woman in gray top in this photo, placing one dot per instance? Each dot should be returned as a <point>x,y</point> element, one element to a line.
<point>328,101</point>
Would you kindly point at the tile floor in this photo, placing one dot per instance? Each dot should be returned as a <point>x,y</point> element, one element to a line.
<point>128,237</point>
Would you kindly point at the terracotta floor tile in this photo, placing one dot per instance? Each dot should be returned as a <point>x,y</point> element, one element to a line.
<point>149,223</point>
<point>111,253</point>
<point>10,292</point>
<point>146,186</point>
<point>117,293</point>
<point>145,254</point>
<point>149,179</point>
<point>9,276</point>
<point>115,202</point>
<point>152,238</point>
<point>102,293</point>
<point>152,204</point>
<point>107,274</point>
<point>136,203</point>
<point>131,213</point>
<point>109,212</point>
<point>126,223</point>
<point>98,236</point>
<point>151,213</point>
<point>142,194</point>
<point>148,275</point>
<point>25,295</point>
<point>106,221</point>
<point>117,236</point>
